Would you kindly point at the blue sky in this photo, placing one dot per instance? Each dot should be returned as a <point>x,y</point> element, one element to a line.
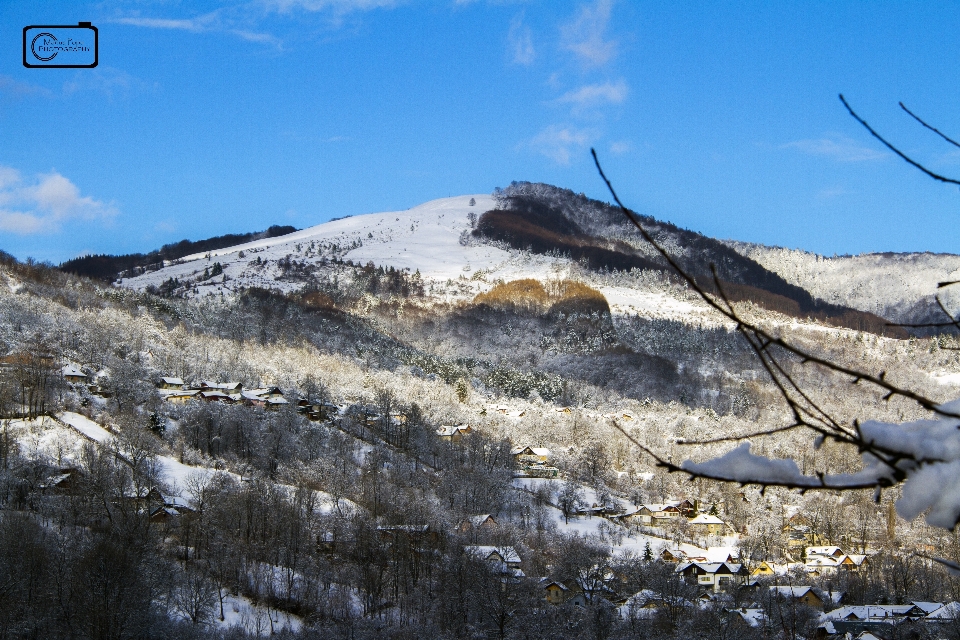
<point>206,118</point>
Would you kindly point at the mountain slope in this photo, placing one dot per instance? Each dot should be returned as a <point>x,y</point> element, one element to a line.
<point>546,219</point>
<point>897,286</point>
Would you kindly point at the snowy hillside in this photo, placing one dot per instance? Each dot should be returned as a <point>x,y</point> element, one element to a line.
<point>899,287</point>
<point>430,238</point>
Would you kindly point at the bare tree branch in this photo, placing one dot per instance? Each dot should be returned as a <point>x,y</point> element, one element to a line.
<point>934,129</point>
<point>906,158</point>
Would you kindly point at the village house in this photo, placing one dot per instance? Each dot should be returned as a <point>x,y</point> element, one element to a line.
<point>880,618</point>
<point>652,514</point>
<point>825,560</point>
<point>484,522</point>
<point>753,617</point>
<point>275,404</point>
<point>531,455</point>
<point>644,604</point>
<point>214,396</point>
<point>705,524</point>
<point>766,568</point>
<point>542,471</point>
<point>180,397</point>
<point>171,384</point>
<point>713,575</point>
<point>454,434</point>
<point>686,508</point>
<point>73,375</point>
<point>505,555</point>
<point>800,533</point>
<point>67,481</point>
<point>802,595</point>
<point>554,592</point>
<point>266,392</point>
<point>226,387</point>
<point>673,555</point>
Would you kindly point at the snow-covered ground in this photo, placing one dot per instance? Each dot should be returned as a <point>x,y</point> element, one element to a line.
<point>658,304</point>
<point>628,542</point>
<point>255,619</point>
<point>61,441</point>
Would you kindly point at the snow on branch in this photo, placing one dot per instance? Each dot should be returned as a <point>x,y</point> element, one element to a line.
<point>739,465</point>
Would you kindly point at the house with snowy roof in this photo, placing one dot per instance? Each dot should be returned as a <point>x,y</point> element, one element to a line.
<point>454,433</point>
<point>553,592</point>
<point>483,522</point>
<point>72,374</point>
<point>180,397</point>
<point>824,565</point>
<point>705,524</point>
<point>712,575</point>
<point>673,555</point>
<point>266,392</point>
<point>945,614</point>
<point>276,403</point>
<point>168,383</point>
<point>753,617</point>
<point>225,387</point>
<point>505,555</point>
<point>722,554</point>
<point>801,595</point>
<point>215,396</point>
<point>530,455</point>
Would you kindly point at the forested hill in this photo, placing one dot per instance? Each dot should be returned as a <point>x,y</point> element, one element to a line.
<point>545,219</point>
<point>108,267</point>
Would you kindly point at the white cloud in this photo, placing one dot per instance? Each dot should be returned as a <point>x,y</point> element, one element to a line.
<point>10,86</point>
<point>620,147</point>
<point>336,6</point>
<point>219,20</point>
<point>105,80</point>
<point>595,95</point>
<point>194,24</point>
<point>586,35</point>
<point>20,223</point>
<point>521,42</point>
<point>254,36</point>
<point>561,143</point>
<point>41,204</point>
<point>841,148</point>
<point>833,192</point>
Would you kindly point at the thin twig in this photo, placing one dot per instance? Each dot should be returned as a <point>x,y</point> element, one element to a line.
<point>934,129</point>
<point>905,157</point>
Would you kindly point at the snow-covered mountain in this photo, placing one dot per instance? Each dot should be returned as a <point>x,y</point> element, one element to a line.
<point>433,239</point>
<point>896,286</point>
<point>462,246</point>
